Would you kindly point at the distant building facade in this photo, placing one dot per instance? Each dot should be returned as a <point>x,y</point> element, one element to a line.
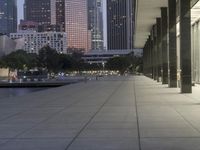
<point>76,24</point>
<point>50,28</point>
<point>34,26</point>
<point>28,25</point>
<point>38,11</point>
<point>70,16</point>
<point>34,41</point>
<point>102,56</point>
<point>58,13</point>
<point>120,24</point>
<point>8,16</point>
<point>8,45</point>
<point>95,23</point>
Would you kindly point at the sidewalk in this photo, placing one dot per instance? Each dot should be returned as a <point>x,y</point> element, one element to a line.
<point>167,120</point>
<point>123,113</point>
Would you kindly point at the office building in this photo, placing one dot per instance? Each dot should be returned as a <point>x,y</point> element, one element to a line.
<point>95,23</point>
<point>34,41</point>
<point>28,25</point>
<point>8,45</point>
<point>58,13</point>
<point>76,25</point>
<point>102,56</point>
<point>69,16</point>
<point>8,16</point>
<point>38,11</point>
<point>120,23</point>
<point>34,26</point>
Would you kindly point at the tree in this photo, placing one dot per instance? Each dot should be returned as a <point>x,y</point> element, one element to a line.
<point>120,64</point>
<point>48,58</point>
<point>16,60</point>
<point>65,62</point>
<point>32,61</point>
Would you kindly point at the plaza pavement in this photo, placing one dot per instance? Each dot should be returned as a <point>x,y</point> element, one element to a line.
<point>119,113</point>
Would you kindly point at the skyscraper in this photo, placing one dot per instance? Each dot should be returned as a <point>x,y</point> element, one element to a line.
<point>8,16</point>
<point>58,13</point>
<point>120,24</point>
<point>38,11</point>
<point>95,23</point>
<point>76,24</point>
<point>70,14</point>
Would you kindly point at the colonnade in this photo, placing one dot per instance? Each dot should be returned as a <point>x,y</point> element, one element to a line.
<point>160,50</point>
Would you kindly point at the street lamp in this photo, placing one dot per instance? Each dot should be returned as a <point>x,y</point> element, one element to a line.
<point>103,64</point>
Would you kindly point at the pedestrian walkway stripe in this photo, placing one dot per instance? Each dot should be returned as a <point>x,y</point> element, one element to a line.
<point>137,117</point>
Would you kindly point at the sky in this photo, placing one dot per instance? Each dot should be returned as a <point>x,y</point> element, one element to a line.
<point>20,9</point>
<point>21,16</point>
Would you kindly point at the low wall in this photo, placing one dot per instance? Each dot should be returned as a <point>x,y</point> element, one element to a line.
<point>4,72</point>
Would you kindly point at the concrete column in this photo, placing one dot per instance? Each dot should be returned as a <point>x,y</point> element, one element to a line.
<point>158,23</point>
<point>151,55</point>
<point>149,58</point>
<point>155,70</point>
<point>145,59</point>
<point>172,49</point>
<point>185,46</point>
<point>164,45</point>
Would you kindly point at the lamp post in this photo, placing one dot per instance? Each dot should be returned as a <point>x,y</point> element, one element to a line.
<point>103,64</point>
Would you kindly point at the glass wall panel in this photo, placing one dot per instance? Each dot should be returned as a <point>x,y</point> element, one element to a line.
<point>178,53</point>
<point>192,51</point>
<point>195,43</point>
<point>195,36</point>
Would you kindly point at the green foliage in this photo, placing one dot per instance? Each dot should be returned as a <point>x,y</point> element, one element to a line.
<point>50,60</point>
<point>129,63</point>
<point>65,62</point>
<point>19,60</point>
<point>118,63</point>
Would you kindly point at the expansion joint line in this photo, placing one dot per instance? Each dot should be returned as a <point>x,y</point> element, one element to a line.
<point>137,116</point>
<point>183,117</point>
<point>95,114</point>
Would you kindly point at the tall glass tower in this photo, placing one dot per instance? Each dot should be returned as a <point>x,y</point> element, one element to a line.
<point>8,16</point>
<point>95,23</point>
<point>120,24</point>
<point>76,25</point>
<point>38,11</point>
<point>58,13</point>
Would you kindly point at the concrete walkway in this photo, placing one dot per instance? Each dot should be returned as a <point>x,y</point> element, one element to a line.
<point>122,113</point>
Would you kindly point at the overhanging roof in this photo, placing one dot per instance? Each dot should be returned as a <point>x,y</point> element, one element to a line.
<point>146,13</point>
<point>145,17</point>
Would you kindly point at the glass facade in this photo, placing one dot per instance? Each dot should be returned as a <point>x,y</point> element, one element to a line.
<point>34,41</point>
<point>195,42</point>
<point>38,11</point>
<point>76,24</point>
<point>58,13</point>
<point>8,16</point>
<point>178,53</point>
<point>120,24</point>
<point>95,23</point>
<point>196,52</point>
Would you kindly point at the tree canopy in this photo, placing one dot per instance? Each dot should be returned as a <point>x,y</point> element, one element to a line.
<point>19,60</point>
<point>49,59</point>
<point>118,63</point>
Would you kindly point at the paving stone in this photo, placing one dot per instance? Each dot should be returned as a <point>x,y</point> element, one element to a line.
<point>102,115</point>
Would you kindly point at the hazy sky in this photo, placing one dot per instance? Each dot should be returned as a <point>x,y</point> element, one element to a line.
<point>21,16</point>
<point>20,9</point>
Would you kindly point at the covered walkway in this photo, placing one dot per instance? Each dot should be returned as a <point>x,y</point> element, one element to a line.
<point>121,113</point>
<point>168,32</point>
